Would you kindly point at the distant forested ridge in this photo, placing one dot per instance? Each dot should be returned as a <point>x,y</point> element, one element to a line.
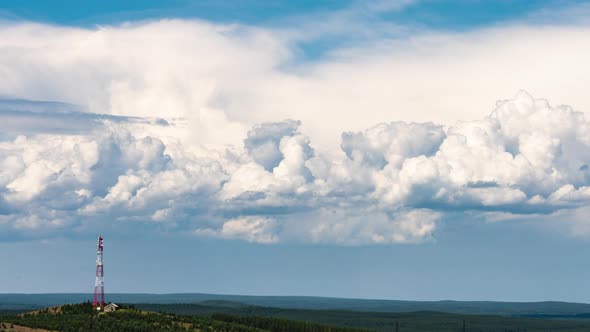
<point>419,321</point>
<point>39,301</point>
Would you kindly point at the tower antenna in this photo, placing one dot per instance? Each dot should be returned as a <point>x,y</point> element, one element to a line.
<point>98,302</point>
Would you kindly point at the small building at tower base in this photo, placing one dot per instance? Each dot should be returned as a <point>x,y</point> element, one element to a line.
<point>110,307</point>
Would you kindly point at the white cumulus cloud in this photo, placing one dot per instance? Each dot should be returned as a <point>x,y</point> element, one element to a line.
<point>392,184</point>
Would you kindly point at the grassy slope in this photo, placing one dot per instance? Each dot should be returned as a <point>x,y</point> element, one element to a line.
<point>410,322</point>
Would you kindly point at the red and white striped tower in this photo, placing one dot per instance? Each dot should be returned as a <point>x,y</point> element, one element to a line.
<point>98,302</point>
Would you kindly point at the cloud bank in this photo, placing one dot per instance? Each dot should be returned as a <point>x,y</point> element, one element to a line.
<point>217,131</point>
<point>393,183</point>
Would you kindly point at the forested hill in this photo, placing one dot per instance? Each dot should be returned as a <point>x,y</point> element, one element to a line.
<point>37,301</point>
<point>82,317</point>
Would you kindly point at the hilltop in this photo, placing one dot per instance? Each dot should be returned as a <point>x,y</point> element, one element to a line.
<point>83,317</point>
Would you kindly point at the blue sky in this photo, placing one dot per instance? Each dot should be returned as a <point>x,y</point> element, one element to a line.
<point>431,13</point>
<point>387,149</point>
<point>497,262</point>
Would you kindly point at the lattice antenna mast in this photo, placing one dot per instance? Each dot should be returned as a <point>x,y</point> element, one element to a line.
<point>98,302</point>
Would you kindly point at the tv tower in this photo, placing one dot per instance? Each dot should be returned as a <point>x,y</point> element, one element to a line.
<point>98,302</point>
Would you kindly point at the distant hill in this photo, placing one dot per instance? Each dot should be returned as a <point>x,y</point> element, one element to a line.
<point>37,301</point>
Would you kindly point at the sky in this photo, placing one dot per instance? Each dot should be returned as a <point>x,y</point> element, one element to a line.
<point>391,149</point>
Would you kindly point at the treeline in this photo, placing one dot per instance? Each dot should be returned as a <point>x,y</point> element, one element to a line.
<point>280,325</point>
